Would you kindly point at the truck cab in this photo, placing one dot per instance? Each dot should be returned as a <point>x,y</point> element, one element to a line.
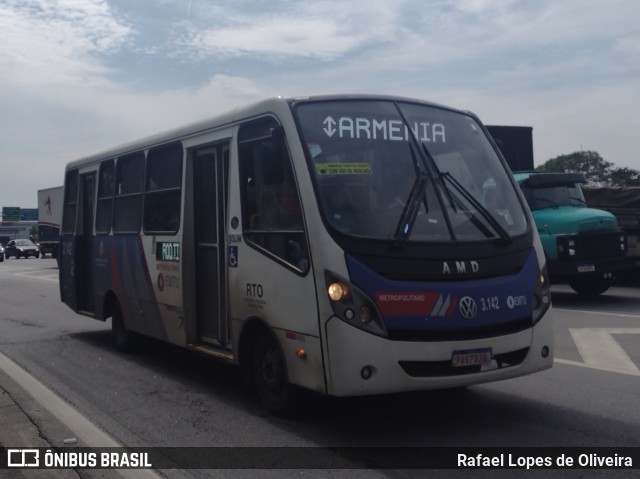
<point>584,246</point>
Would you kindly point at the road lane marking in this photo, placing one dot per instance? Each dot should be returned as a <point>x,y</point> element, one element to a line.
<point>587,366</point>
<point>599,349</point>
<point>82,427</point>
<point>30,274</point>
<point>599,313</point>
<point>18,270</point>
<point>51,277</point>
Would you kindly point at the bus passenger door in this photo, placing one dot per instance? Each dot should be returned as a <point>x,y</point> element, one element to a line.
<point>84,243</point>
<point>211,167</point>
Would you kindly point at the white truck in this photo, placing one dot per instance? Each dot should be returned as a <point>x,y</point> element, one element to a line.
<point>49,220</point>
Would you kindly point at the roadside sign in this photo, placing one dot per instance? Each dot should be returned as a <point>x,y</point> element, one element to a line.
<point>28,214</point>
<point>10,213</point>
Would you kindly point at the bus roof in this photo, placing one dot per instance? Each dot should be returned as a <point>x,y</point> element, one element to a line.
<point>273,105</point>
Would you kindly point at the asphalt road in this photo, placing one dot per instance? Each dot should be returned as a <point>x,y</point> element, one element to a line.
<point>165,396</point>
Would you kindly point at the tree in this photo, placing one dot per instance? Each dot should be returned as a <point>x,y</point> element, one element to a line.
<point>595,168</point>
<point>624,177</point>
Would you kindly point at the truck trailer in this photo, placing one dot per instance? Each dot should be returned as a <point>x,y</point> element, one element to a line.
<point>49,219</point>
<point>624,204</point>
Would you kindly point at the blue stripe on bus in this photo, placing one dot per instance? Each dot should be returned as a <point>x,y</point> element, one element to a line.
<point>120,265</point>
<point>464,304</point>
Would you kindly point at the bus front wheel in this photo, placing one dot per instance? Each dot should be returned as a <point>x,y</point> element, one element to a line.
<point>270,376</point>
<point>124,340</point>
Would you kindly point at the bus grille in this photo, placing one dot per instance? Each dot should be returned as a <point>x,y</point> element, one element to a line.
<point>426,369</point>
<point>460,334</point>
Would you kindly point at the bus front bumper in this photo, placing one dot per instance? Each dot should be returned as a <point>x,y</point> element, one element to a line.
<point>361,363</point>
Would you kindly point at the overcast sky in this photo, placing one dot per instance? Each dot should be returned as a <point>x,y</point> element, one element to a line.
<point>79,76</point>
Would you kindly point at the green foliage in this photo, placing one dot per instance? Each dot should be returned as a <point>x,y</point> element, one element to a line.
<point>624,177</point>
<point>595,168</point>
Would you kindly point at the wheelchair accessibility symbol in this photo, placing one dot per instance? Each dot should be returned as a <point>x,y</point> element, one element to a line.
<point>233,256</point>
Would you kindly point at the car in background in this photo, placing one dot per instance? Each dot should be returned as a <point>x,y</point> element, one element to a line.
<point>21,248</point>
<point>1,253</point>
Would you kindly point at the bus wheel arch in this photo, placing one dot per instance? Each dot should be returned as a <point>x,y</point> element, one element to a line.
<point>110,300</point>
<point>124,340</point>
<point>264,368</point>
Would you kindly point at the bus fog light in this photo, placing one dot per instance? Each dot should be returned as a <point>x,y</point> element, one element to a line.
<point>366,372</point>
<point>545,351</point>
<point>349,314</point>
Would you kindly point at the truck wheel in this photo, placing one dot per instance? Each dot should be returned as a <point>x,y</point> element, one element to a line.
<point>590,286</point>
<point>124,340</point>
<point>270,376</point>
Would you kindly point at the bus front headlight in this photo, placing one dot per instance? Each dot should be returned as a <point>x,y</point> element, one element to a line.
<point>338,291</point>
<point>353,306</point>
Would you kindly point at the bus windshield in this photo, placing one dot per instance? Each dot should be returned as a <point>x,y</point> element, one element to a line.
<point>406,171</point>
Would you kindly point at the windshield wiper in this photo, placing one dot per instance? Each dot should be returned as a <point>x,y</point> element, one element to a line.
<point>425,169</point>
<point>540,198</point>
<point>429,166</point>
<point>485,213</point>
<point>411,208</point>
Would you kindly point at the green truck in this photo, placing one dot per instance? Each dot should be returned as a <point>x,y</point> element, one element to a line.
<point>585,247</point>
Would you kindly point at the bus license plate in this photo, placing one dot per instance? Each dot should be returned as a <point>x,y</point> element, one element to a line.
<point>474,357</point>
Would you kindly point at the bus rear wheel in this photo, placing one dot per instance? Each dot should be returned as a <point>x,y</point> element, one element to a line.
<point>124,340</point>
<point>270,377</point>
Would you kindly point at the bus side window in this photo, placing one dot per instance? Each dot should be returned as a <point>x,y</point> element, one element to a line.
<point>163,191</point>
<point>104,209</point>
<point>127,209</point>
<point>272,214</point>
<point>70,202</point>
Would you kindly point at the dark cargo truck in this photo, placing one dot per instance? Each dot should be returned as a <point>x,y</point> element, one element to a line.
<point>516,145</point>
<point>584,246</point>
<point>624,204</point>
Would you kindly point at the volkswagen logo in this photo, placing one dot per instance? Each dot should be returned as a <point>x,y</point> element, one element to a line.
<point>468,308</point>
